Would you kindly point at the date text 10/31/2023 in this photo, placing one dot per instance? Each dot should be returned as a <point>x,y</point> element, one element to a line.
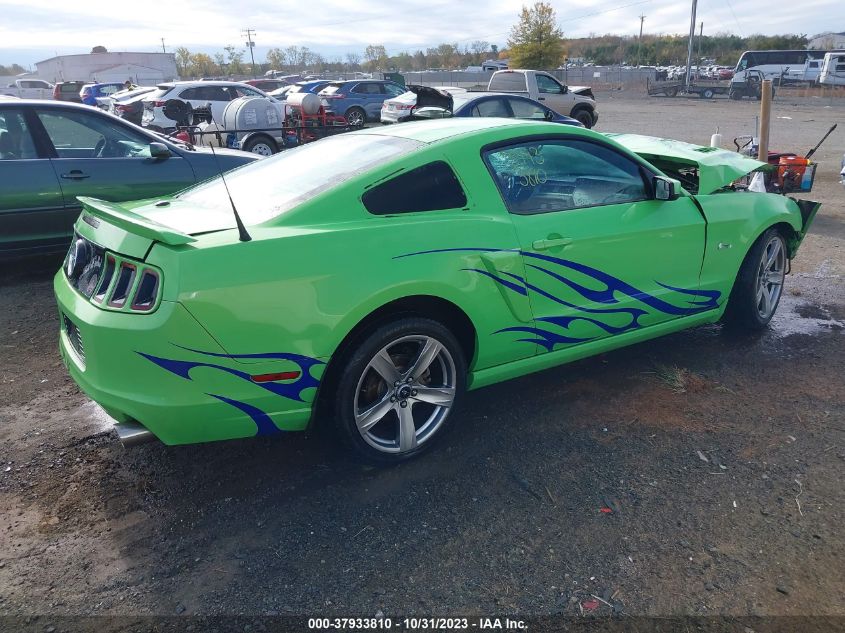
<point>417,624</point>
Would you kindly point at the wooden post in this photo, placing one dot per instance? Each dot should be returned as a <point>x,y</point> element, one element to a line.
<point>765,119</point>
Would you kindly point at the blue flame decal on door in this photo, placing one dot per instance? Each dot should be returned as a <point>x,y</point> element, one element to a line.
<point>290,390</point>
<point>557,269</point>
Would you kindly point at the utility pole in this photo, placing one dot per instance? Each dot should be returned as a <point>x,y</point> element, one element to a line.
<point>249,33</point>
<point>640,41</point>
<point>700,39</point>
<point>162,46</point>
<point>691,40</point>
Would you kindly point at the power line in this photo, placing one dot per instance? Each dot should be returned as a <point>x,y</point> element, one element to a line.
<point>730,6</point>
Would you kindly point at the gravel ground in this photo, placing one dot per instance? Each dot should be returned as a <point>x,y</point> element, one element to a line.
<point>699,474</point>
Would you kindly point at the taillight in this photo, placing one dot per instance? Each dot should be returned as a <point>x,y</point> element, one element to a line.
<point>110,281</point>
<point>158,104</point>
<point>57,92</point>
<point>105,282</point>
<point>123,285</point>
<point>122,108</point>
<point>399,106</point>
<point>147,292</point>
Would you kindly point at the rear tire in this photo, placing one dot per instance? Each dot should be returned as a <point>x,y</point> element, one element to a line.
<point>759,284</point>
<point>397,389</point>
<point>356,117</point>
<point>261,145</point>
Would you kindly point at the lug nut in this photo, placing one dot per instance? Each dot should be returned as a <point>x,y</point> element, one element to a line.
<point>413,392</point>
<point>393,398</point>
<point>403,404</point>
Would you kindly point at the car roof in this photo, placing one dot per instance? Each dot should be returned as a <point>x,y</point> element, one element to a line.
<point>439,129</point>
<point>48,103</point>
<point>213,82</point>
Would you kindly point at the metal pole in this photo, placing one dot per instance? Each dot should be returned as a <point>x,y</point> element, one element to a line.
<point>691,38</point>
<point>640,41</point>
<point>162,46</point>
<point>765,119</point>
<point>251,45</point>
<point>700,38</point>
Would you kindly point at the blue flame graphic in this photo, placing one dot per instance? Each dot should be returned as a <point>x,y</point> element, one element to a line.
<point>290,390</point>
<point>697,301</point>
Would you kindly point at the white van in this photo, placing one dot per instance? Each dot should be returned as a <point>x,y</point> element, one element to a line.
<point>833,69</point>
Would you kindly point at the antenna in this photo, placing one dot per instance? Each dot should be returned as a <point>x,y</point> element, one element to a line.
<point>243,236</point>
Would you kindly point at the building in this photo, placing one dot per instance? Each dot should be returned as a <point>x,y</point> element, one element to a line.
<point>141,68</point>
<point>827,41</point>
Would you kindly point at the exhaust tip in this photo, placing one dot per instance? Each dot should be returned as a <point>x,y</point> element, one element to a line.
<point>133,433</point>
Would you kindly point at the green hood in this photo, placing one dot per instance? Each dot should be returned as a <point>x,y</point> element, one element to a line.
<point>717,168</point>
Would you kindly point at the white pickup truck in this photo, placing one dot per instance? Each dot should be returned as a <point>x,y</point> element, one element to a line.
<point>575,101</point>
<point>29,89</point>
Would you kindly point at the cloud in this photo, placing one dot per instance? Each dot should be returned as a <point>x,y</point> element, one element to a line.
<point>36,29</point>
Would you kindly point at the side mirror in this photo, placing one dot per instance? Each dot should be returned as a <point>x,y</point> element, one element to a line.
<point>565,89</point>
<point>549,115</point>
<point>159,151</point>
<point>666,188</point>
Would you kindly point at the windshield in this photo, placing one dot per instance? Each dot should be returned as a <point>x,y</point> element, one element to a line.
<point>268,188</point>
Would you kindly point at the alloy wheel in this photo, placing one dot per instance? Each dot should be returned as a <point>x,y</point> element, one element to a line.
<point>770,276</point>
<point>355,118</point>
<point>405,394</point>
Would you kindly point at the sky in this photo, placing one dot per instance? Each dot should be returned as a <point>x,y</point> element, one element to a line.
<point>38,29</point>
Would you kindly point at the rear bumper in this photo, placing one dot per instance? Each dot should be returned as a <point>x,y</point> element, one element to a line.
<point>164,372</point>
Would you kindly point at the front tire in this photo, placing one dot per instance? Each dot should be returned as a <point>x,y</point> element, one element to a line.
<point>398,388</point>
<point>759,284</point>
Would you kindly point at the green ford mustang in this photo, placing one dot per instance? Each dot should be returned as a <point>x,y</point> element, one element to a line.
<point>375,276</point>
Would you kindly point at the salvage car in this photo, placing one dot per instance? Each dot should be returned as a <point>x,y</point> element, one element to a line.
<point>421,102</point>
<point>368,280</point>
<point>53,151</point>
<point>358,101</point>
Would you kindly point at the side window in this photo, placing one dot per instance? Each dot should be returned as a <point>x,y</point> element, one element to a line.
<point>361,89</point>
<point>393,90</point>
<point>491,107</point>
<point>246,92</point>
<point>15,139</point>
<point>547,85</point>
<point>542,177</point>
<point>432,187</point>
<point>527,110</point>
<point>82,135</point>
<point>189,94</point>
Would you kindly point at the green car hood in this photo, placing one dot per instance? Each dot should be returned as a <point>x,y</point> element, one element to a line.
<point>717,168</point>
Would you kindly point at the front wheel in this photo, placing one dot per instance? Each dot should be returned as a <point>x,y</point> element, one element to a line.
<point>759,284</point>
<point>398,388</point>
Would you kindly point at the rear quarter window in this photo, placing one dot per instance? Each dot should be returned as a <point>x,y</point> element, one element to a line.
<point>432,187</point>
<point>509,82</point>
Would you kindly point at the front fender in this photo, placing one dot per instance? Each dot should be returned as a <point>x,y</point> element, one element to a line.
<point>735,220</point>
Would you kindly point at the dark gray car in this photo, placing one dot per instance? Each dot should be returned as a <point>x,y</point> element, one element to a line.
<point>51,152</point>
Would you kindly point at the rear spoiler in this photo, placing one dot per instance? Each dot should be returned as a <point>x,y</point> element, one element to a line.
<point>132,222</point>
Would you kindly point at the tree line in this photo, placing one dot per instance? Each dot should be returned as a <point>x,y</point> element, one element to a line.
<point>536,41</point>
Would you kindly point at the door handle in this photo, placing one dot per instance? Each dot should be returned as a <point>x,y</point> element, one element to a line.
<point>552,242</point>
<point>75,174</point>
<point>541,98</point>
